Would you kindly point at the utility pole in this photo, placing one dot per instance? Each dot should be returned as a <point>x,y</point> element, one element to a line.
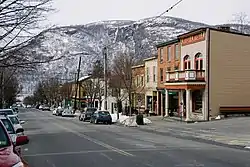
<point>77,81</point>
<point>105,52</point>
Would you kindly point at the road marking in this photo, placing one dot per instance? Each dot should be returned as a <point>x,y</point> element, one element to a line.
<point>94,140</point>
<point>105,155</point>
<point>91,151</point>
<point>66,153</point>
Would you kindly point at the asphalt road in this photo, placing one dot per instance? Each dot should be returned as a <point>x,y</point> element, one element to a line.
<point>66,142</point>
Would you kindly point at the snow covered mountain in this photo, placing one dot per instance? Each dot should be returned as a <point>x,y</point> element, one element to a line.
<point>139,37</point>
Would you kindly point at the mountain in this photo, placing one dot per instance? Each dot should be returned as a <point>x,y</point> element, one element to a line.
<point>139,37</point>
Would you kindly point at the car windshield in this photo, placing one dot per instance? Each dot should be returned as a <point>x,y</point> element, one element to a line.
<point>104,113</point>
<point>4,140</point>
<point>7,112</point>
<point>8,125</point>
<point>14,120</point>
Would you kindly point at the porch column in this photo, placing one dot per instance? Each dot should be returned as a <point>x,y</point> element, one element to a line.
<point>146,101</point>
<point>162,104</point>
<point>166,103</point>
<point>157,103</point>
<point>188,95</point>
<point>181,103</point>
<point>191,105</point>
<point>204,115</point>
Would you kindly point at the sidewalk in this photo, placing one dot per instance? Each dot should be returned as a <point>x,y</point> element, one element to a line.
<point>234,132</point>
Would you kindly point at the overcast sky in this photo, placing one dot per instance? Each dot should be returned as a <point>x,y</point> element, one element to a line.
<point>71,12</point>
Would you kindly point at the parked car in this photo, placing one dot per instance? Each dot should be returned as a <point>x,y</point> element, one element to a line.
<point>16,122</point>
<point>11,130</point>
<point>87,113</point>
<point>7,112</point>
<point>59,111</point>
<point>67,113</point>
<point>101,116</point>
<point>40,107</point>
<point>46,108</point>
<point>54,111</point>
<point>8,155</point>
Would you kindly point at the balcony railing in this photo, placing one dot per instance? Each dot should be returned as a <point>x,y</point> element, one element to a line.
<point>187,75</point>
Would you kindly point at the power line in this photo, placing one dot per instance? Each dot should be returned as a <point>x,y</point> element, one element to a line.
<point>153,18</point>
<point>169,9</point>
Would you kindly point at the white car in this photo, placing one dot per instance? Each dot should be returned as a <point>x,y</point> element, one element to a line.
<point>16,122</point>
<point>54,111</point>
<point>67,113</point>
<point>11,130</point>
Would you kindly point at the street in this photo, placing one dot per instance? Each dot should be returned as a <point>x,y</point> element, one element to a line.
<point>66,142</point>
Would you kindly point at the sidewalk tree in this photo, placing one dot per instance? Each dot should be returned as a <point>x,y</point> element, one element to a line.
<point>122,70</point>
<point>9,86</point>
<point>118,88</point>
<point>93,87</point>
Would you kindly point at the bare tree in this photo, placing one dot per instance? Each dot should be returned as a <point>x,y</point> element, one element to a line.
<point>242,20</point>
<point>19,21</point>
<point>9,86</point>
<point>118,90</point>
<point>122,69</point>
<point>94,87</point>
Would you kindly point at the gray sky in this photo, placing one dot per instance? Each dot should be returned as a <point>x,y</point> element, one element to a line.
<point>71,12</point>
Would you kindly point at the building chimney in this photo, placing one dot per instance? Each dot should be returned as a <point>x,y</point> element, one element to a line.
<point>224,28</point>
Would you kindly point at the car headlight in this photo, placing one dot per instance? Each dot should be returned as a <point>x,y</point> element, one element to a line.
<point>19,164</point>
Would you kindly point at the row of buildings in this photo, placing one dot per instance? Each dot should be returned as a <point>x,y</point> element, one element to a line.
<point>195,74</point>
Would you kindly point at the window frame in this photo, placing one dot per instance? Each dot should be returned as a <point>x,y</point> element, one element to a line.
<point>187,62</point>
<point>169,53</point>
<point>161,75</point>
<point>177,51</point>
<point>161,55</point>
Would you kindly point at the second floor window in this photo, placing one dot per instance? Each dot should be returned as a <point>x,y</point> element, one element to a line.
<point>187,62</point>
<point>137,81</point>
<point>198,61</point>
<point>161,74</point>
<point>147,74</point>
<point>154,73</point>
<point>169,54</point>
<point>176,55</point>
<point>142,80</point>
<point>161,55</point>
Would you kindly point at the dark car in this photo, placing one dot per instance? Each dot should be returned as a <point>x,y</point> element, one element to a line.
<point>86,114</point>
<point>101,116</point>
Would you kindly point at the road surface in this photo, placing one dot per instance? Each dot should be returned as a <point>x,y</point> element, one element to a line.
<point>66,142</point>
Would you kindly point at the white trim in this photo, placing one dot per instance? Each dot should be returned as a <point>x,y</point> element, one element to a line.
<point>185,83</point>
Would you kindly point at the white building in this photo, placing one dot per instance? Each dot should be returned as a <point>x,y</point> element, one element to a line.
<point>151,84</point>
